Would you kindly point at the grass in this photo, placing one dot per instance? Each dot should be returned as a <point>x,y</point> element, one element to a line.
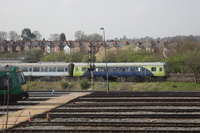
<point>118,86</point>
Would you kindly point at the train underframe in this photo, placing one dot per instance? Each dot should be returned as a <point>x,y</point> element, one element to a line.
<point>100,79</point>
<point>13,98</point>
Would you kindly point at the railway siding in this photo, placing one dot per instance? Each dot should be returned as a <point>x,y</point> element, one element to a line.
<point>121,112</point>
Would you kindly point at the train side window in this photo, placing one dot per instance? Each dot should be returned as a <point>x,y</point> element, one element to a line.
<point>52,69</point>
<point>76,69</point>
<point>30,69</point>
<point>101,69</point>
<point>43,69</point>
<point>36,69</point>
<point>136,69</point>
<point>110,69</point>
<point>153,68</point>
<point>160,69</point>
<point>96,69</point>
<point>60,69</point>
<point>118,68</point>
<point>66,69</point>
<point>24,69</point>
<point>143,69</point>
<point>83,69</point>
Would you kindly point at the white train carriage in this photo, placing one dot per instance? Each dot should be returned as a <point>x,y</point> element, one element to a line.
<point>42,69</point>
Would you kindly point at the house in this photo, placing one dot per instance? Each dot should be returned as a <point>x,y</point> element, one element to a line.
<point>68,49</point>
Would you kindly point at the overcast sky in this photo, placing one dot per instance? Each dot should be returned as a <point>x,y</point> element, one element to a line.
<point>130,18</point>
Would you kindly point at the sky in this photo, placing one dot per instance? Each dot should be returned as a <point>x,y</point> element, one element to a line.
<point>130,18</point>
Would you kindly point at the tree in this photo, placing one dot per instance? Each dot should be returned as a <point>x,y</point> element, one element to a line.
<point>62,37</point>
<point>33,54</point>
<point>38,36</point>
<point>12,35</point>
<point>54,57</point>
<point>54,37</point>
<point>27,35</point>
<point>3,35</point>
<point>95,37</point>
<point>80,36</point>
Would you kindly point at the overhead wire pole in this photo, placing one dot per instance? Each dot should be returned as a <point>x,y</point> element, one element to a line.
<point>107,85</point>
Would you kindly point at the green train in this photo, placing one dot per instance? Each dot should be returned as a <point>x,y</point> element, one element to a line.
<point>12,84</point>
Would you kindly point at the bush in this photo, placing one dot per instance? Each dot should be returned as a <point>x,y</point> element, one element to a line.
<point>64,85</point>
<point>84,85</point>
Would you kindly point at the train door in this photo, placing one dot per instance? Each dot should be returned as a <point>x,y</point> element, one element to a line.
<point>160,71</point>
<point>138,71</point>
<point>143,71</point>
<point>30,71</point>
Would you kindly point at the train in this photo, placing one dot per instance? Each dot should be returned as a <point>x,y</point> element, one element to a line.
<point>130,71</point>
<point>12,84</point>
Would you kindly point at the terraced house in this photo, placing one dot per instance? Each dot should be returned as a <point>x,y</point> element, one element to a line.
<point>76,46</point>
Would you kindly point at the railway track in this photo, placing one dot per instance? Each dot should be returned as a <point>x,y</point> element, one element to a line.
<point>119,112</point>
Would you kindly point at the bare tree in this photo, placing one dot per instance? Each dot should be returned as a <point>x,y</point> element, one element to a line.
<point>54,37</point>
<point>38,36</point>
<point>3,35</point>
<point>95,37</point>
<point>12,35</point>
<point>80,36</point>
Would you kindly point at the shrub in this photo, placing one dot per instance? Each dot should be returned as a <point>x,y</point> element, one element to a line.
<point>64,85</point>
<point>84,85</point>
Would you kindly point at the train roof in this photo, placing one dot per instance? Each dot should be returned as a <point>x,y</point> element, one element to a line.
<point>39,64</point>
<point>125,64</point>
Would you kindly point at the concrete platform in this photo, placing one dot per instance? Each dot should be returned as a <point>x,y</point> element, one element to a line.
<point>44,106</point>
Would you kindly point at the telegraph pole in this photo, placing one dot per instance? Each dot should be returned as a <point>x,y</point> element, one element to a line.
<point>91,64</point>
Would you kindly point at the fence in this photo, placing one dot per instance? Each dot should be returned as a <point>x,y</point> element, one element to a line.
<point>179,77</point>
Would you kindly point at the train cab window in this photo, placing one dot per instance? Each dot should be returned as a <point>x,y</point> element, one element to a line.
<point>3,82</point>
<point>36,69</point>
<point>43,69</point>
<point>153,68</point>
<point>160,69</point>
<point>84,69</point>
<point>24,69</point>
<point>60,69</point>
<point>21,78</point>
<point>52,69</point>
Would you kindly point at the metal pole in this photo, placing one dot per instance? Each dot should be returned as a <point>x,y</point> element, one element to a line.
<point>107,85</point>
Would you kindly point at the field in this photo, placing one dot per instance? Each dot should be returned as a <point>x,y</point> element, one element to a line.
<point>116,86</point>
